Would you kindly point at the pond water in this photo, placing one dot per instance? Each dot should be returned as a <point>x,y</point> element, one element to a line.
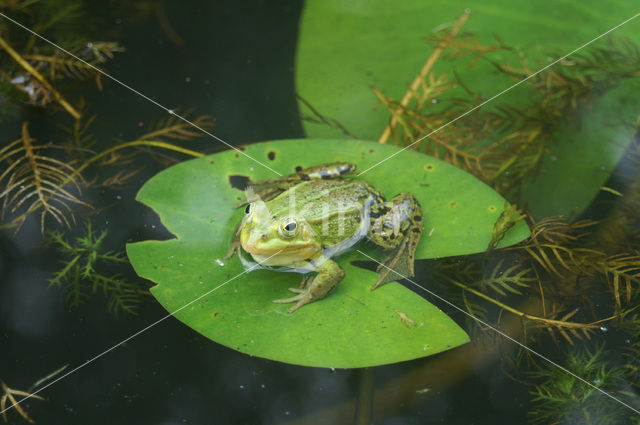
<point>234,62</point>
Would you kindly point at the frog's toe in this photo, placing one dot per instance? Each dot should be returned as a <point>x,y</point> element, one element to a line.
<point>301,299</point>
<point>304,281</point>
<point>292,299</point>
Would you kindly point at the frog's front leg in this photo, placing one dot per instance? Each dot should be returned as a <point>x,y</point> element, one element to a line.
<point>329,274</point>
<point>396,226</point>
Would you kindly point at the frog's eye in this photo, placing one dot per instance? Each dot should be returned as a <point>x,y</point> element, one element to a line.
<point>247,210</point>
<point>288,228</point>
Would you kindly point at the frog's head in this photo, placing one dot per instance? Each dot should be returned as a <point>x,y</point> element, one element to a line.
<point>264,234</point>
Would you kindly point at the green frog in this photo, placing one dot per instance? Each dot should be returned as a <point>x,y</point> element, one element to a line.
<point>300,222</point>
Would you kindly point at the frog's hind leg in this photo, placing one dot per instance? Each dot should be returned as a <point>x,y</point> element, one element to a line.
<point>326,171</point>
<point>396,226</point>
<point>269,189</point>
<point>304,281</point>
<point>329,275</point>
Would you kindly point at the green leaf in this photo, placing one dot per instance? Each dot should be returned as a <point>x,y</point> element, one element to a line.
<point>590,151</point>
<point>381,43</point>
<point>352,326</point>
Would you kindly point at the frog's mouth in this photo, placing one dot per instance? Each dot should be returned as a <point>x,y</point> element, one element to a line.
<point>260,263</point>
<point>282,257</point>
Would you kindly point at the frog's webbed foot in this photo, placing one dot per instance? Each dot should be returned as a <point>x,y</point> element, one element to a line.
<point>301,299</point>
<point>397,264</point>
<point>329,274</point>
<point>396,227</point>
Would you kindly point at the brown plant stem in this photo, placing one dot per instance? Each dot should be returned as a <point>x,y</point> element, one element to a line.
<point>422,75</point>
<point>31,70</point>
<point>155,143</point>
<point>545,321</point>
<point>364,397</point>
<point>8,394</point>
<point>93,159</point>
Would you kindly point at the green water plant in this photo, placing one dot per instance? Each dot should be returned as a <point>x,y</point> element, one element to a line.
<point>560,398</point>
<point>470,96</point>
<point>55,181</point>
<point>506,144</point>
<point>50,179</point>
<point>554,274</point>
<point>88,269</point>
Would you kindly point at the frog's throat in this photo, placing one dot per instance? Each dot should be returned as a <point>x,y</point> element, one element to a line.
<point>365,224</point>
<point>252,265</point>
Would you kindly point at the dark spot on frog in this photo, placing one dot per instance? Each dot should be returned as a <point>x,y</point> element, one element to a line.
<point>298,168</point>
<point>424,184</point>
<point>155,267</point>
<point>215,314</point>
<point>239,182</point>
<point>237,155</point>
<point>271,155</point>
<point>375,213</point>
<point>371,151</point>
<point>492,208</point>
<point>453,204</point>
<point>429,167</point>
<point>211,162</point>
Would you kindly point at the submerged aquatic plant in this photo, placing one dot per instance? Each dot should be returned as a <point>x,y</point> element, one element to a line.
<point>10,396</point>
<point>88,269</point>
<point>33,180</point>
<point>550,280</point>
<point>506,144</point>
<point>53,185</point>
<point>56,178</point>
<point>560,398</point>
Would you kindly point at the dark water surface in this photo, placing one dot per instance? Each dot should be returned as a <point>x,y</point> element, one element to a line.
<point>237,65</point>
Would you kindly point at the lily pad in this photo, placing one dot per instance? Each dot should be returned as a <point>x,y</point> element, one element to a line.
<point>390,50</point>
<point>352,326</point>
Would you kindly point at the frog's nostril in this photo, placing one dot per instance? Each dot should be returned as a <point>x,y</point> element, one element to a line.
<point>263,237</point>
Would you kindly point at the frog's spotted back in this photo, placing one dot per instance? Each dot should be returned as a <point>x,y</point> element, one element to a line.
<point>330,171</point>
